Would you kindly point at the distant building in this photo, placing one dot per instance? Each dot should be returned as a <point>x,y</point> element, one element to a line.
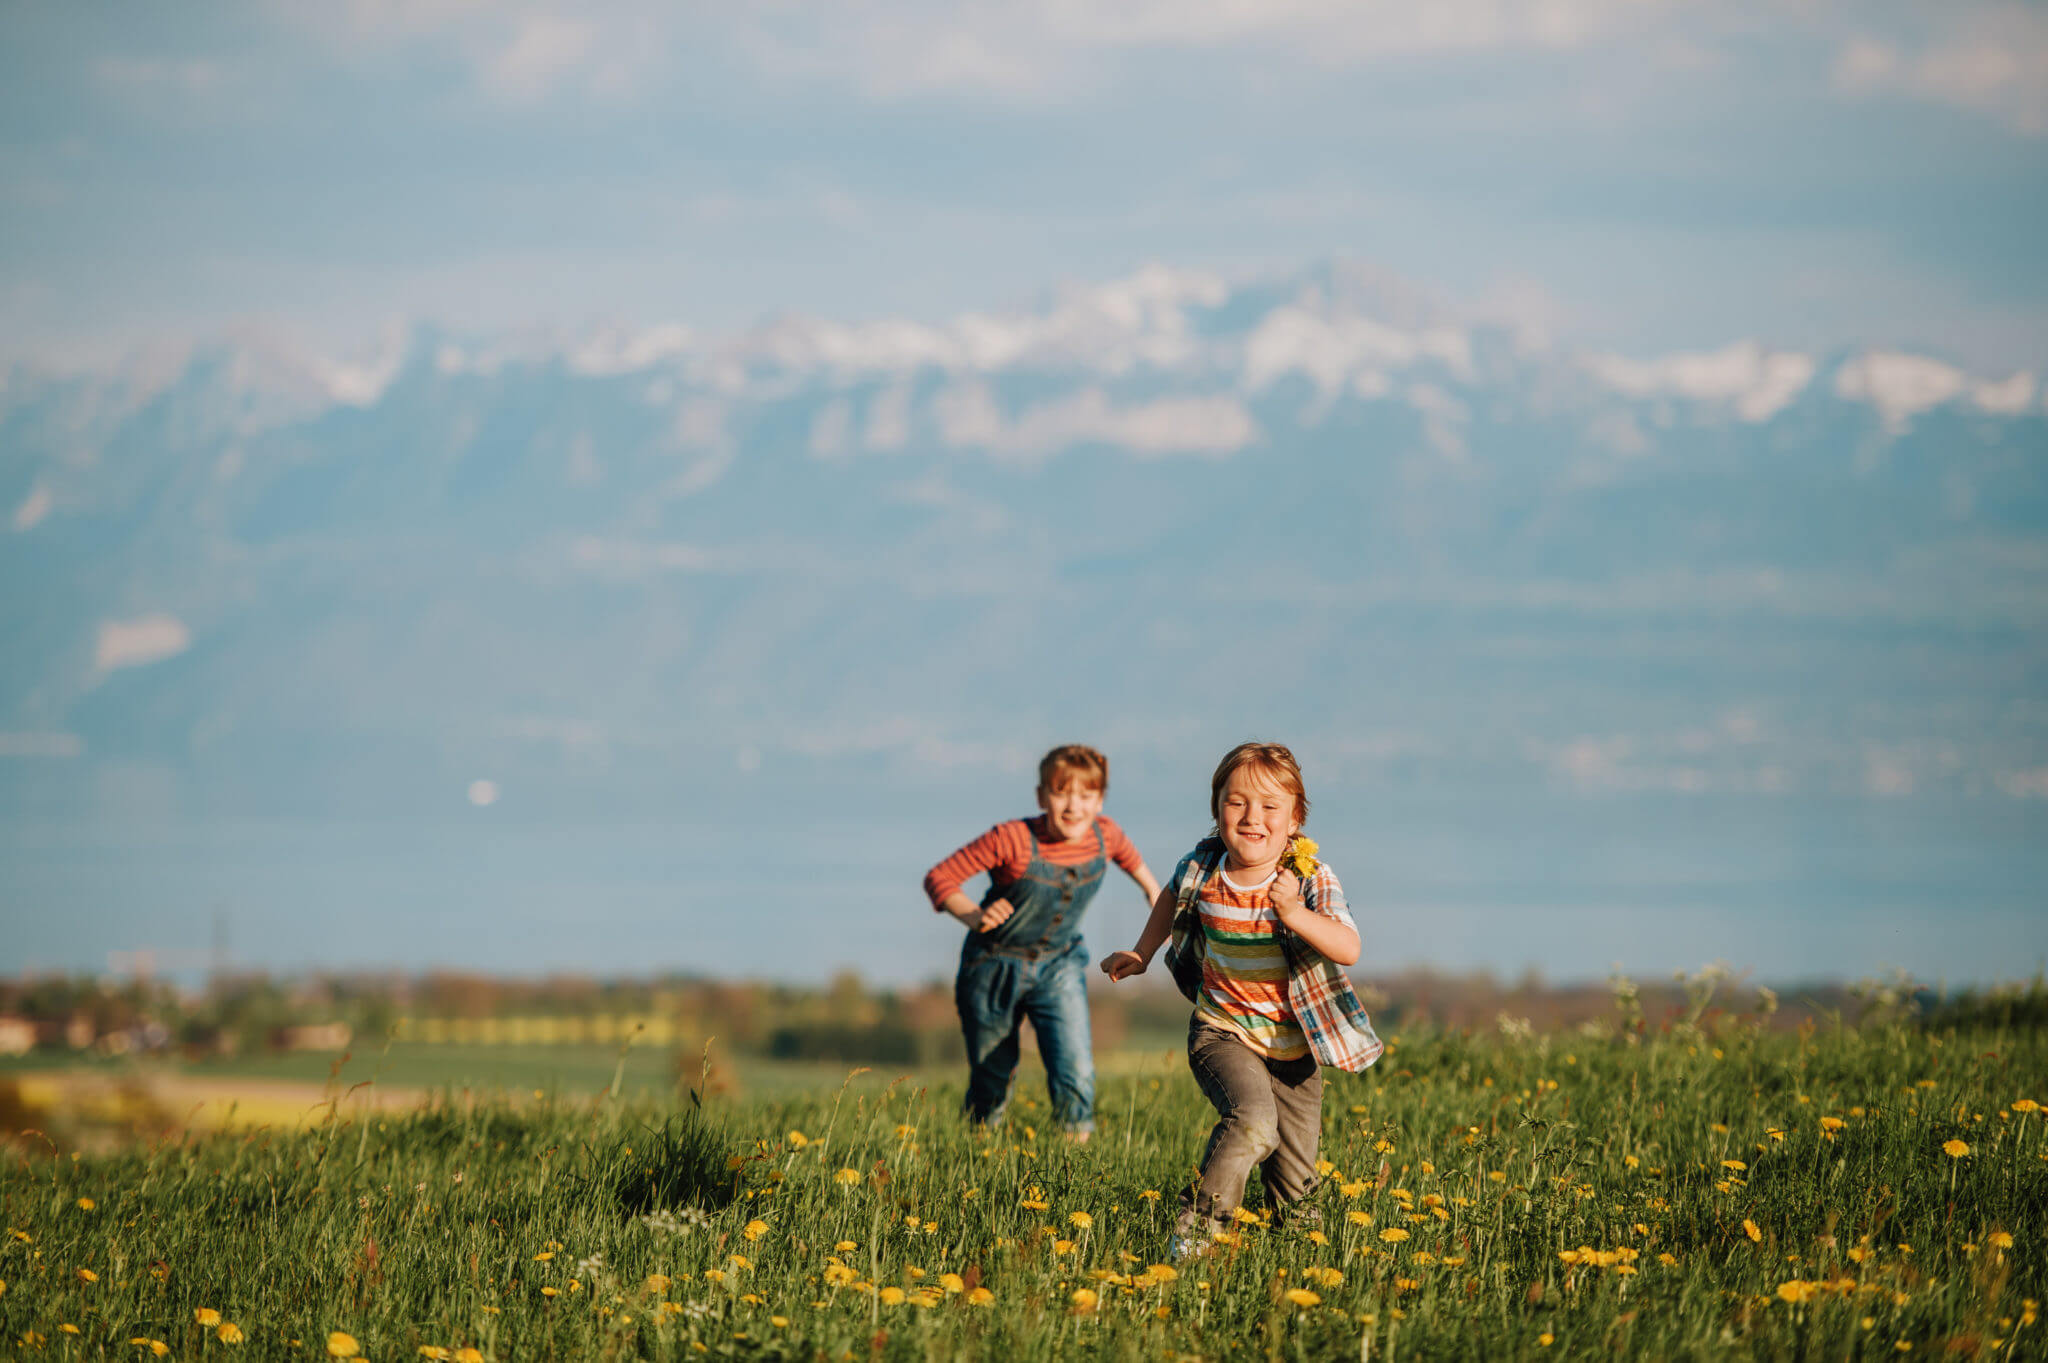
<point>77,1032</point>
<point>17,1035</point>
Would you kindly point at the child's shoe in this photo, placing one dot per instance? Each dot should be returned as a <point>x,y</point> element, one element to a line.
<point>1193,1236</point>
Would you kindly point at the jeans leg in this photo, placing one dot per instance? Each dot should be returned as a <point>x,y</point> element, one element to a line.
<point>985,993</point>
<point>1234,1079</point>
<point>1058,1009</point>
<point>1289,1173</point>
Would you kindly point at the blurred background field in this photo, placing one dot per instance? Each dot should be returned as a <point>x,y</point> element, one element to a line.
<point>108,1063</point>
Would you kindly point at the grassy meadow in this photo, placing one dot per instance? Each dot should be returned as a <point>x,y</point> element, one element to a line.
<point>1707,1190</point>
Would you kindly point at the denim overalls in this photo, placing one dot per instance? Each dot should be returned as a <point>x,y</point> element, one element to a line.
<point>1034,965</point>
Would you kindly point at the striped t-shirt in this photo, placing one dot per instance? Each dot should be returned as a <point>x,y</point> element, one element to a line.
<point>1005,853</point>
<point>1244,967</point>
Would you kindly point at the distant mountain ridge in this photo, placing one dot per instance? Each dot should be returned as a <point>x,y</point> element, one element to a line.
<point>603,559</point>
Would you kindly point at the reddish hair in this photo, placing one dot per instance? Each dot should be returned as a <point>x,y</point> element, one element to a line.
<point>1075,761</point>
<point>1270,760</point>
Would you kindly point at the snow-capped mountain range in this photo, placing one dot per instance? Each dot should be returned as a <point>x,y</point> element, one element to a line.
<point>1153,511</point>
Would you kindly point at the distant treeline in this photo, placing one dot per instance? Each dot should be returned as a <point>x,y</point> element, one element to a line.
<point>851,1020</point>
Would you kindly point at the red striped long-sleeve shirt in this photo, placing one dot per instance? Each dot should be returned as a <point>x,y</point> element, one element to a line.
<point>1005,853</point>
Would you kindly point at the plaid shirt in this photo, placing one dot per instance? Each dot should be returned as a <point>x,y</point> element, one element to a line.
<point>1327,1009</point>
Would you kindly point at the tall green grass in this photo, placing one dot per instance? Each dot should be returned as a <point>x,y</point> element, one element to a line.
<point>1721,1214</point>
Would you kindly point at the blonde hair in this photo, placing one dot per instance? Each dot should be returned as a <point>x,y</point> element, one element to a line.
<point>1075,761</point>
<point>1271,760</point>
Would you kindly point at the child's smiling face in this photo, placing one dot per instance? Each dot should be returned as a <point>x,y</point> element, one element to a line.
<point>1256,818</point>
<point>1071,809</point>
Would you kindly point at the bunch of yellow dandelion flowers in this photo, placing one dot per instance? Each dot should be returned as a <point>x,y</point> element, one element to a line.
<point>1301,856</point>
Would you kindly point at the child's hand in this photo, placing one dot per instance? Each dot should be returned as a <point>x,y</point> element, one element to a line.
<point>1121,965</point>
<point>995,915</point>
<point>1285,894</point>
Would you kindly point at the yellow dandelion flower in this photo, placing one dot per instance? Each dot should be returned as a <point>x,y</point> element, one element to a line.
<point>1301,1296</point>
<point>2001,1239</point>
<point>229,1333</point>
<point>891,1296</point>
<point>952,1282</point>
<point>754,1230</point>
<point>1734,1164</point>
<point>847,1177</point>
<point>1832,1123</point>
<point>1301,856</point>
<point>155,1346</point>
<point>1749,1229</point>
<point>86,1204</point>
<point>1084,1298</point>
<point>86,1275</point>
<point>1062,1246</point>
<point>2025,1105</point>
<point>1150,1195</point>
<point>1081,1220</point>
<point>714,1275</point>
<point>341,1344</point>
<point>1358,1218</point>
<point>1546,1339</point>
<point>551,1292</point>
<point>1163,1273</point>
<point>543,1256</point>
<point>1797,1291</point>
<point>1667,1259</point>
<point>469,1354</point>
<point>1351,1189</point>
<point>739,1261</point>
<point>838,1275</point>
<point>1393,1235</point>
<point>435,1352</point>
<point>797,1139</point>
<point>656,1284</point>
<point>67,1328</point>
<point>1955,1149</point>
<point>980,1296</point>
<point>205,1317</point>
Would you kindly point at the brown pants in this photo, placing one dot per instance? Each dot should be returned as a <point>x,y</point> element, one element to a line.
<point>1272,1117</point>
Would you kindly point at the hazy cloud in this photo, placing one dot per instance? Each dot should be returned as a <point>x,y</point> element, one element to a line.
<point>1993,62</point>
<point>138,642</point>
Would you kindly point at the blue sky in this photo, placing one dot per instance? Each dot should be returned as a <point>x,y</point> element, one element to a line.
<point>1627,174</point>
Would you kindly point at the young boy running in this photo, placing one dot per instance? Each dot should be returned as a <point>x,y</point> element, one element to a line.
<point>1023,956</point>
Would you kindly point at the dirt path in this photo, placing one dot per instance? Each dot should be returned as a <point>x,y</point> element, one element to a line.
<point>175,1101</point>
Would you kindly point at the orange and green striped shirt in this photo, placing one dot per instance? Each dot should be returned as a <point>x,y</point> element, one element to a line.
<point>1244,968</point>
